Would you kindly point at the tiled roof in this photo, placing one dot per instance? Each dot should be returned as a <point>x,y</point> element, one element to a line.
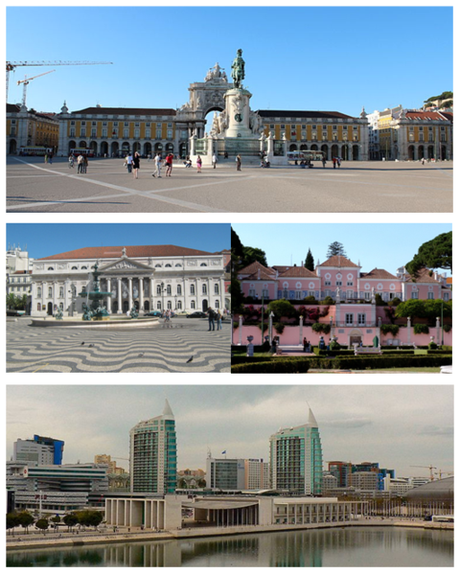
<point>259,276</point>
<point>424,276</point>
<point>254,267</point>
<point>96,111</point>
<point>298,272</point>
<point>12,108</point>
<point>303,114</point>
<point>338,261</point>
<point>378,274</point>
<point>416,115</point>
<point>131,251</point>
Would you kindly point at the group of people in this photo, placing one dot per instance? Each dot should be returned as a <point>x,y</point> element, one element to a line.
<point>82,163</point>
<point>214,319</point>
<point>336,162</point>
<point>133,164</point>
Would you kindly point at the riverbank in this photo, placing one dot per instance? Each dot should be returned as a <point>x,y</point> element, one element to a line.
<point>23,542</point>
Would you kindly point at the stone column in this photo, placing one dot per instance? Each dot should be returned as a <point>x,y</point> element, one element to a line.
<point>438,331</point>
<point>130,292</point>
<point>408,330</point>
<point>301,330</point>
<point>141,293</point>
<point>120,295</point>
<point>240,330</point>
<point>109,298</point>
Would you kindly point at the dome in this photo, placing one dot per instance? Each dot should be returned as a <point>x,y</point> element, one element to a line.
<point>437,490</point>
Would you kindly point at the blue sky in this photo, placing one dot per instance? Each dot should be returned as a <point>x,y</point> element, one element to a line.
<point>311,58</point>
<point>42,240</point>
<point>381,245</point>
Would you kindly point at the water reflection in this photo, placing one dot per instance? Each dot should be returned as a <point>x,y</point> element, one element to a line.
<point>367,546</point>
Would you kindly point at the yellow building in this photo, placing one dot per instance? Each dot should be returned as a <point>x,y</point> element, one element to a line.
<point>26,128</point>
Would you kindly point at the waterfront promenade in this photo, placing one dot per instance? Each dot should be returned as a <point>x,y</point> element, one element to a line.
<point>380,187</point>
<point>124,535</point>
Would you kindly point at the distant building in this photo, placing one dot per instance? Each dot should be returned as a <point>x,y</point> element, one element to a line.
<point>153,454</point>
<point>296,460</point>
<point>41,451</point>
<point>237,474</point>
<point>365,480</point>
<point>28,128</point>
<point>112,464</point>
<point>330,482</point>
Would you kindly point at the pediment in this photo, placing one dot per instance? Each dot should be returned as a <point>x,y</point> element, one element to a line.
<point>125,264</point>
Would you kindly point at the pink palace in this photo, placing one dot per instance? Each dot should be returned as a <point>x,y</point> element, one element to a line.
<point>341,279</point>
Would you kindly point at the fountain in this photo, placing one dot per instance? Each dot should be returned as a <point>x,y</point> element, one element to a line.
<point>95,312</point>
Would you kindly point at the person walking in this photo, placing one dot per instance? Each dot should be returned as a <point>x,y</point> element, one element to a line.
<point>218,320</point>
<point>324,162</point>
<point>129,162</point>
<point>334,162</point>
<point>84,164</point>
<point>157,162</point>
<point>339,161</point>
<point>238,162</point>
<point>136,164</point>
<point>80,164</point>
<point>169,164</point>
<point>214,160</point>
<point>199,163</point>
<point>71,160</point>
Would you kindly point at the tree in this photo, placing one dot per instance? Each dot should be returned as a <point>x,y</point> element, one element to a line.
<point>236,294</point>
<point>42,524</point>
<point>336,248</point>
<point>281,308</point>
<point>25,519</point>
<point>252,254</point>
<point>70,520</point>
<point>309,261</point>
<point>434,254</point>
<point>12,520</point>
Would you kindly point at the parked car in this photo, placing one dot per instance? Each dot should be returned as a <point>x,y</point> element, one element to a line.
<point>153,314</point>
<point>197,315</point>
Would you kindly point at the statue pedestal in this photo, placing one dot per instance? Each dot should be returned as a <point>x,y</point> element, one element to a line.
<point>237,111</point>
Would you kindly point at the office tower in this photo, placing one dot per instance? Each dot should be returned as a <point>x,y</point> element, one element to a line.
<point>39,451</point>
<point>296,460</point>
<point>153,456</point>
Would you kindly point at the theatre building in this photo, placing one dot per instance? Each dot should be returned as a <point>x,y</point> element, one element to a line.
<point>148,277</point>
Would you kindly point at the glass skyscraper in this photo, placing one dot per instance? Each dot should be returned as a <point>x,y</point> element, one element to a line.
<point>296,459</point>
<point>153,454</point>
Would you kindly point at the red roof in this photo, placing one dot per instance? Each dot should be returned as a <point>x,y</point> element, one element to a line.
<point>298,272</point>
<point>378,274</point>
<point>131,251</point>
<point>338,261</point>
<point>416,115</point>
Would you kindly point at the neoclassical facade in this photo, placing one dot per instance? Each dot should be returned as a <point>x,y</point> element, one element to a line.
<point>148,277</point>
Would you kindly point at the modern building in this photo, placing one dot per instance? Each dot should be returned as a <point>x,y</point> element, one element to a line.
<point>153,454</point>
<point>19,273</point>
<point>41,451</point>
<point>296,460</point>
<point>111,464</point>
<point>228,474</point>
<point>148,277</point>
<point>56,488</point>
<point>28,128</point>
<point>363,475</point>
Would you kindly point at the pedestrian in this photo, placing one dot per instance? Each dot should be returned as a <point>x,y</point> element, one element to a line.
<point>238,162</point>
<point>324,162</point>
<point>71,160</point>
<point>218,320</point>
<point>46,157</point>
<point>50,159</point>
<point>136,165</point>
<point>334,162</point>
<point>80,164</point>
<point>214,160</point>
<point>129,162</point>
<point>84,166</point>
<point>339,161</point>
<point>211,317</point>
<point>305,344</point>
<point>157,162</point>
<point>199,163</point>
<point>169,164</point>
<point>149,157</point>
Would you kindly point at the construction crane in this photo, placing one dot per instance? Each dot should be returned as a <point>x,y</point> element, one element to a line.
<point>11,66</point>
<point>26,81</point>
<point>431,467</point>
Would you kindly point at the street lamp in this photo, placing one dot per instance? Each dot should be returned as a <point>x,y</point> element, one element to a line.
<point>162,296</point>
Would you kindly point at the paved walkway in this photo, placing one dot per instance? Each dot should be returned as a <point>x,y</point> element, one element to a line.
<point>383,187</point>
<point>144,350</point>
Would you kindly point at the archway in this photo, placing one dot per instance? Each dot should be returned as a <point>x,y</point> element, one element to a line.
<point>204,305</point>
<point>430,152</point>
<point>49,309</point>
<point>136,147</point>
<point>146,305</point>
<point>104,149</point>
<point>169,148</point>
<point>125,148</point>
<point>183,150</point>
<point>325,150</point>
<point>443,152</point>
<point>147,149</point>
<point>335,150</point>
<point>115,307</point>
<point>421,151</point>
<point>72,145</point>
<point>303,147</point>
<point>125,306</point>
<point>93,147</point>
<point>344,152</point>
<point>158,147</point>
<point>82,144</point>
<point>411,153</point>
<point>355,152</point>
<point>355,336</point>
<point>314,147</point>
<point>114,149</point>
<point>13,147</point>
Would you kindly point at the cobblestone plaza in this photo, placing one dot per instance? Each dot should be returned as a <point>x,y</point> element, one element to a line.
<point>379,187</point>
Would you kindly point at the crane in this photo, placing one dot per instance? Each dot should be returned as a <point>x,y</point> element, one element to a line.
<point>11,66</point>
<point>431,467</point>
<point>26,81</point>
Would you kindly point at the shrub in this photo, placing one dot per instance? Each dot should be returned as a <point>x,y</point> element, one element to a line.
<point>432,345</point>
<point>419,329</point>
<point>311,300</point>
<point>321,328</point>
<point>329,301</point>
<point>447,328</point>
<point>279,327</point>
<point>387,328</point>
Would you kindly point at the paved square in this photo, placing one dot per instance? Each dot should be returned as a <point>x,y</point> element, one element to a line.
<point>144,350</point>
<point>379,187</point>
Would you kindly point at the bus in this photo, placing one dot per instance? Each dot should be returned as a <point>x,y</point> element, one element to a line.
<point>34,150</point>
<point>306,155</point>
<point>82,151</point>
<point>442,518</point>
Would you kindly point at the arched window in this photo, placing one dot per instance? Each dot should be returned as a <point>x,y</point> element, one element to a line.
<point>178,265</point>
<point>158,289</point>
<point>50,291</point>
<point>203,265</point>
<point>61,306</point>
<point>168,265</point>
<point>192,289</point>
<point>159,305</point>
<point>157,265</point>
<point>74,268</point>
<point>39,307</point>
<point>50,268</point>
<point>192,305</point>
<point>61,292</point>
<point>169,305</point>
<point>179,289</point>
<point>39,291</point>
<point>168,290</point>
<point>216,303</point>
<point>204,289</point>
<point>179,304</point>
<point>84,267</point>
<point>216,288</point>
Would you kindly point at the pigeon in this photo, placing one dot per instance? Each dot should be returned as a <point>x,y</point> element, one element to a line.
<point>190,360</point>
<point>90,345</point>
<point>141,354</point>
<point>83,343</point>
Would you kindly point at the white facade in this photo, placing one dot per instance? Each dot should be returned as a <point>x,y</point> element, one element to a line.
<point>183,283</point>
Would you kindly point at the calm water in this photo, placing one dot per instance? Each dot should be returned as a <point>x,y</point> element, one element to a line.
<point>333,547</point>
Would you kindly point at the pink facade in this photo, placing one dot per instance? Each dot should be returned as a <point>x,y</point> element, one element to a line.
<point>341,279</point>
